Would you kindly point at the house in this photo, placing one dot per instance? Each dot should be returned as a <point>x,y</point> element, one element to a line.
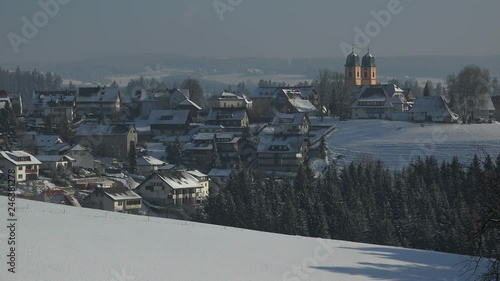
<point>192,107</point>
<point>57,196</point>
<point>230,100</point>
<point>203,179</point>
<point>291,123</point>
<point>228,117</point>
<point>281,152</point>
<point>432,109</point>
<point>166,188</point>
<point>386,101</point>
<point>114,199</point>
<point>270,100</point>
<point>496,104</point>
<point>485,108</point>
<point>149,164</point>
<point>59,105</point>
<point>15,100</point>
<point>168,99</point>
<point>38,142</point>
<point>198,152</point>
<point>112,140</point>
<point>169,122</point>
<point>51,163</point>
<point>220,176</point>
<point>83,157</point>
<point>24,165</point>
<point>92,100</point>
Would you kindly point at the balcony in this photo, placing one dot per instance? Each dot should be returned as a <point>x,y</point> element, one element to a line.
<point>31,171</point>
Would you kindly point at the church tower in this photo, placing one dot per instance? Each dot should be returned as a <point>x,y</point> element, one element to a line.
<point>369,69</point>
<point>353,69</point>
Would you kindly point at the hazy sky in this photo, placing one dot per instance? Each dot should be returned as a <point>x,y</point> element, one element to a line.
<point>262,28</point>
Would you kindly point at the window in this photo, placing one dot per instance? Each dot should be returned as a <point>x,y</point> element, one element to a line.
<point>373,74</point>
<point>358,74</point>
<point>350,73</point>
<point>20,168</point>
<point>120,203</point>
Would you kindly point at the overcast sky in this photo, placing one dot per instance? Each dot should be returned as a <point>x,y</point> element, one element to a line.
<point>252,28</point>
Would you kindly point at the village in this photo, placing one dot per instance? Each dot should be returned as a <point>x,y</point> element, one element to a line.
<point>160,153</point>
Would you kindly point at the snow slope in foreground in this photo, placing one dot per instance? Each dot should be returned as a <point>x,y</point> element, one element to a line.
<point>397,143</point>
<point>64,243</point>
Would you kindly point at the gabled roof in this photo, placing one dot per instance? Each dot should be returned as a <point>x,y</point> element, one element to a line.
<point>168,117</point>
<point>118,193</point>
<point>197,174</point>
<point>97,94</point>
<point>178,179</point>
<point>373,94</point>
<point>100,129</point>
<point>54,158</point>
<point>280,143</point>
<point>433,105</point>
<point>226,114</point>
<point>485,103</point>
<point>496,102</point>
<point>19,158</point>
<point>47,140</point>
<point>220,173</point>
<point>149,161</point>
<point>289,118</point>
<point>188,102</point>
<point>49,99</point>
<point>302,105</point>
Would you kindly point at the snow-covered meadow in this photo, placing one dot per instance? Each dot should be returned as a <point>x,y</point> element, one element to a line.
<point>397,143</point>
<point>60,243</point>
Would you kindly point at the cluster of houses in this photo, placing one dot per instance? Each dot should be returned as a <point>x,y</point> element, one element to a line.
<point>269,131</point>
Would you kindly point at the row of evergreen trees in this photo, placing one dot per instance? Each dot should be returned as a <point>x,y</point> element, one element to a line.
<point>427,205</point>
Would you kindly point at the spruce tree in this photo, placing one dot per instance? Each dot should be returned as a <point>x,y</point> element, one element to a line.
<point>132,158</point>
<point>216,162</point>
<point>323,148</point>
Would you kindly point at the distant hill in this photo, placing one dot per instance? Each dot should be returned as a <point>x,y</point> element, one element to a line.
<point>97,69</point>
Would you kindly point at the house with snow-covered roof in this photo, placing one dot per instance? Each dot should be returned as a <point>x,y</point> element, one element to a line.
<point>385,101</point>
<point>220,176</point>
<point>83,157</point>
<point>228,117</point>
<point>281,152</point>
<point>94,100</point>
<point>114,199</point>
<point>165,188</point>
<point>169,122</point>
<point>291,123</point>
<point>149,164</point>
<point>24,165</point>
<point>110,140</point>
<point>50,163</point>
<point>485,108</point>
<point>59,105</point>
<point>14,99</point>
<point>167,99</point>
<point>432,109</point>
<point>198,152</point>
<point>228,99</point>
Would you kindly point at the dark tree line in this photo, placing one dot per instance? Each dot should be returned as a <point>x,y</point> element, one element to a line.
<point>444,207</point>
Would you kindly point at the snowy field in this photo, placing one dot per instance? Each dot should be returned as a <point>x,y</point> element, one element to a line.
<point>61,243</point>
<point>396,143</point>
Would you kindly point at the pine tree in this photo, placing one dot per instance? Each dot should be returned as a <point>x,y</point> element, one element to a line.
<point>8,126</point>
<point>323,148</point>
<point>216,162</point>
<point>132,158</point>
<point>427,91</point>
<point>176,152</point>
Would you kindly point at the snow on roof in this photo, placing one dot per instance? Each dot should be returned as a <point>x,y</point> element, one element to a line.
<point>188,102</point>
<point>54,158</point>
<point>236,114</point>
<point>47,140</point>
<point>149,161</point>
<point>103,129</point>
<point>486,103</point>
<point>57,147</point>
<point>302,105</point>
<point>168,117</point>
<point>179,179</point>
<point>201,251</point>
<point>220,173</point>
<point>47,99</point>
<point>280,143</point>
<point>432,105</point>
<point>118,193</point>
<point>97,94</point>
<point>288,118</point>
<point>196,174</point>
<point>19,158</point>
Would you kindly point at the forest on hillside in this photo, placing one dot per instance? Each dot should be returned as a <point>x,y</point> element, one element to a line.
<point>428,205</point>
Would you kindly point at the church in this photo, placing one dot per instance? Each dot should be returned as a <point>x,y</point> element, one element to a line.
<point>373,100</point>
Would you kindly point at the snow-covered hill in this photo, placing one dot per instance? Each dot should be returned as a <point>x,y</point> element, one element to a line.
<point>55,243</point>
<point>396,143</point>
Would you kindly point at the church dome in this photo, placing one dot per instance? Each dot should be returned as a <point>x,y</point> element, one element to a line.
<point>368,60</point>
<point>352,59</point>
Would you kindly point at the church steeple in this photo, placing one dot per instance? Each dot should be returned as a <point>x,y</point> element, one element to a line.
<point>369,69</point>
<point>353,69</point>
